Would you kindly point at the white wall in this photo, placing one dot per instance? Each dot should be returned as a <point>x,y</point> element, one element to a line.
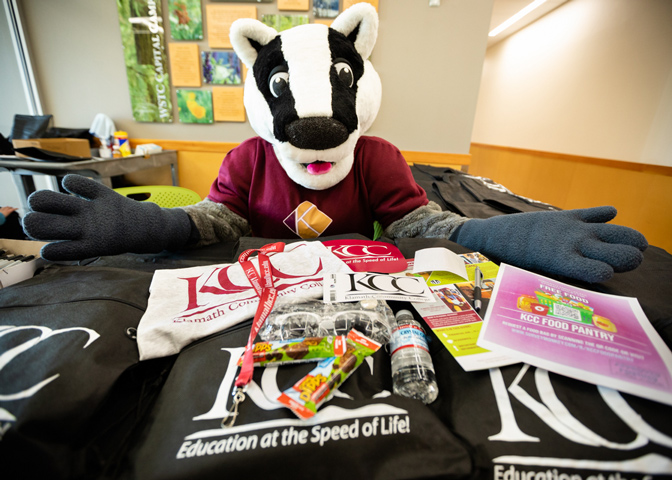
<point>430,61</point>
<point>591,78</point>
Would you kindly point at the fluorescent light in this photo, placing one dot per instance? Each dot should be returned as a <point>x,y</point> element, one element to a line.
<point>515,18</point>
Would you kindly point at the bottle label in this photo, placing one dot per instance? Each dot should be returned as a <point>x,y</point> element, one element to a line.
<point>408,336</point>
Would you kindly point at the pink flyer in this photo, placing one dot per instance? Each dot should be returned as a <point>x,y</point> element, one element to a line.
<point>598,338</point>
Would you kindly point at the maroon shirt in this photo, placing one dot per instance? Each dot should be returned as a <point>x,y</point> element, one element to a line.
<point>380,186</point>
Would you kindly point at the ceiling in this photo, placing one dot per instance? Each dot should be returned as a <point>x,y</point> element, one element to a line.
<point>502,10</point>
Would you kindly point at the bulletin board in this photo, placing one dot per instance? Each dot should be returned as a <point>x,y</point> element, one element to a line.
<point>180,64</point>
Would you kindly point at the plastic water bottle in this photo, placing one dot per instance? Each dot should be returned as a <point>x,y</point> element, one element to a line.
<point>412,369</point>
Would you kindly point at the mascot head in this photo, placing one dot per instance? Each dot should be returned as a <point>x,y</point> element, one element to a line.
<point>311,91</point>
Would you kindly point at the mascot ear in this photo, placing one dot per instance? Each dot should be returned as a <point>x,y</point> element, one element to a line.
<point>360,24</point>
<point>248,36</point>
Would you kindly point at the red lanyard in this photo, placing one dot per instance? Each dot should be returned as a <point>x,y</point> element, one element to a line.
<point>267,296</point>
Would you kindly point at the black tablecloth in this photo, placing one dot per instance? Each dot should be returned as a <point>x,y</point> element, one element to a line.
<point>75,401</point>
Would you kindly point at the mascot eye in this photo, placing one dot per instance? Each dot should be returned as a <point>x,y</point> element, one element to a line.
<point>344,72</point>
<point>278,81</point>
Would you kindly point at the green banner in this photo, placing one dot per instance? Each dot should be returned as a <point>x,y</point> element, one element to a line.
<point>142,36</point>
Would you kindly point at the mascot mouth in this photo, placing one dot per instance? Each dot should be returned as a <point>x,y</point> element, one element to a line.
<point>318,167</point>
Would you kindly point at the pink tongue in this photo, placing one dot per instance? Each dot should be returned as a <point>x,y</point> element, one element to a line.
<point>318,168</point>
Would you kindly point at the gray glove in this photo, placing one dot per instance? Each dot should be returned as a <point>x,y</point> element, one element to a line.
<point>573,243</point>
<point>97,221</point>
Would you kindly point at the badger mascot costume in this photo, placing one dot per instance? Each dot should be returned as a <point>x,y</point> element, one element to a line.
<point>310,95</point>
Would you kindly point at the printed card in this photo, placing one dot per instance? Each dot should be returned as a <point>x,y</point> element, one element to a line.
<point>598,338</point>
<point>352,287</point>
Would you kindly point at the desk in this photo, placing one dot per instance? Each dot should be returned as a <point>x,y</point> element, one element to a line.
<point>160,418</point>
<point>100,169</point>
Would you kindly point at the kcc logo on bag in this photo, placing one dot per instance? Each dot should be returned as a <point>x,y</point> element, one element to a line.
<point>368,256</point>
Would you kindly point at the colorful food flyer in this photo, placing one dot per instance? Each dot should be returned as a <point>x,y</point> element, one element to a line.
<point>452,318</point>
<point>598,338</point>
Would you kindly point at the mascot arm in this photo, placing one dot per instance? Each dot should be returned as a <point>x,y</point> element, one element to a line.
<point>573,243</point>
<point>214,223</point>
<point>427,221</point>
<point>95,221</point>
<point>578,244</point>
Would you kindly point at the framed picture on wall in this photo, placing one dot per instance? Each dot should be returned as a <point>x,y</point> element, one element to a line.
<point>325,8</point>
<point>296,5</point>
<point>194,106</point>
<point>221,68</point>
<point>284,22</point>
<point>219,19</point>
<point>186,19</point>
<point>227,104</point>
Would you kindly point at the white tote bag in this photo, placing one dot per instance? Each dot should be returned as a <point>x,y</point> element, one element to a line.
<point>190,303</point>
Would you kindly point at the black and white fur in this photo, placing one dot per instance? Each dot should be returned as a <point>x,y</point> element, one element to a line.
<point>300,97</point>
<point>311,91</point>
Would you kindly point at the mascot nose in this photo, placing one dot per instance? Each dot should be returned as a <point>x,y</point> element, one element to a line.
<point>316,133</point>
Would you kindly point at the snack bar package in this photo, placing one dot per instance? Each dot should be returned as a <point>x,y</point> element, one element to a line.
<point>298,350</point>
<point>306,395</point>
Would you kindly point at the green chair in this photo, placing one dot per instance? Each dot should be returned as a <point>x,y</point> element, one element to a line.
<point>377,230</point>
<point>163,195</point>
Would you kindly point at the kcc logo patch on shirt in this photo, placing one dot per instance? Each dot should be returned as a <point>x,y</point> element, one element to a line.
<point>307,221</point>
